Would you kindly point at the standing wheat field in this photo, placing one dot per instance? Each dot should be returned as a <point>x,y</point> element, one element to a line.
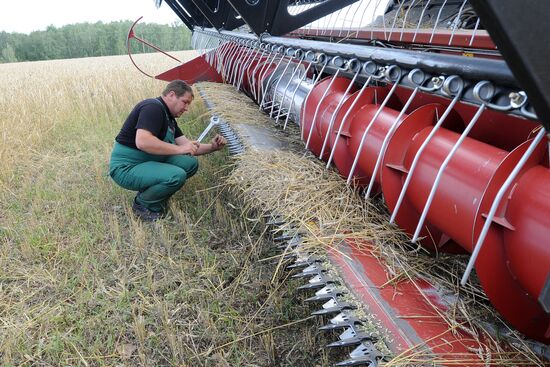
<point>83,282</point>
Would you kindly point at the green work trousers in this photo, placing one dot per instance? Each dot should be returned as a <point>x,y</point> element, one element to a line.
<point>155,177</point>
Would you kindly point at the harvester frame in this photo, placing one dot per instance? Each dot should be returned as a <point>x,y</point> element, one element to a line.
<point>407,112</point>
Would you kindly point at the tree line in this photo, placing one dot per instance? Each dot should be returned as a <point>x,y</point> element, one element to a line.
<point>90,39</point>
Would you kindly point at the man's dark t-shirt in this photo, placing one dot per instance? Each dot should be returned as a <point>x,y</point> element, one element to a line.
<point>152,115</point>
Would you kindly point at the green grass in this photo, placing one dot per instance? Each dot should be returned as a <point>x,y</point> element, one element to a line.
<point>84,283</point>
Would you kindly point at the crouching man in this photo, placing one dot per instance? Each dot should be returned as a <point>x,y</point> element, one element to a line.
<point>151,155</point>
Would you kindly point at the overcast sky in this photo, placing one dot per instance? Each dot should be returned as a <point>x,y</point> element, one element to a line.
<point>25,16</point>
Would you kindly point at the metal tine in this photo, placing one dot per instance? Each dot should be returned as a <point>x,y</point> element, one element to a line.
<point>420,20</point>
<point>283,238</point>
<point>313,269</point>
<point>341,102</point>
<point>330,20</point>
<point>273,100</point>
<point>195,41</point>
<point>333,306</point>
<point>293,52</point>
<point>352,21</point>
<point>338,17</point>
<point>474,32</point>
<point>453,85</point>
<point>318,26</point>
<point>437,20</point>
<point>325,20</point>
<point>418,83</point>
<point>354,103</point>
<point>362,18</point>
<point>322,99</point>
<point>301,263</point>
<point>383,20</point>
<point>455,25</point>
<point>207,52</point>
<point>230,59</point>
<point>364,354</point>
<point>240,64</point>
<point>251,78</point>
<point>318,281</point>
<point>405,19</point>
<point>211,50</point>
<point>330,289</point>
<point>221,58</point>
<point>273,55</point>
<point>390,94</point>
<point>216,56</point>
<point>220,50</point>
<point>296,240</point>
<point>342,320</point>
<point>437,180</point>
<point>395,20</point>
<point>351,337</point>
<point>326,293</point>
<point>325,63</point>
<point>246,66</point>
<point>264,69</point>
<point>276,222</point>
<point>288,245</point>
<point>293,242</point>
<point>351,6</point>
<point>240,70</point>
<point>296,68</point>
<point>496,202</point>
<point>296,90</point>
<point>202,43</point>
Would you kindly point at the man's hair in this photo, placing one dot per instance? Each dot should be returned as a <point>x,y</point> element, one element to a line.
<point>179,87</point>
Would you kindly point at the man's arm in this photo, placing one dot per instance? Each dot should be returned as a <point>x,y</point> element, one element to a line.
<point>217,143</point>
<point>149,143</point>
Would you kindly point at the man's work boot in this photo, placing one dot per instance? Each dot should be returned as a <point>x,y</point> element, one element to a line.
<point>145,214</point>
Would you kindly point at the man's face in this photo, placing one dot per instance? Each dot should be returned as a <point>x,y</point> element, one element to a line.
<point>178,105</point>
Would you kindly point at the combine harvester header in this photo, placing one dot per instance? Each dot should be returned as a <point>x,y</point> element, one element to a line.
<point>440,106</point>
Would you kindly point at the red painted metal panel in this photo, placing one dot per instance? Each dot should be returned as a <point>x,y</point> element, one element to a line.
<point>409,312</point>
<point>196,70</point>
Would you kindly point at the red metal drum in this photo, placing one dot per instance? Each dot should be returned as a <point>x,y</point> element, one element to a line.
<point>324,108</point>
<point>510,276</point>
<point>377,131</point>
<point>512,265</point>
<point>342,158</point>
<point>396,164</point>
<point>461,188</point>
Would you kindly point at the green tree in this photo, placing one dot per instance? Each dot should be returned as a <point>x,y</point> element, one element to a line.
<point>8,54</point>
<point>86,39</point>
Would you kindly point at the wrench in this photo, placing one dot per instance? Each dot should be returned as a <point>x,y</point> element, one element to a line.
<point>214,120</point>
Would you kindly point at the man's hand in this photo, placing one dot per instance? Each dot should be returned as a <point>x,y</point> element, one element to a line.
<point>218,142</point>
<point>189,147</point>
